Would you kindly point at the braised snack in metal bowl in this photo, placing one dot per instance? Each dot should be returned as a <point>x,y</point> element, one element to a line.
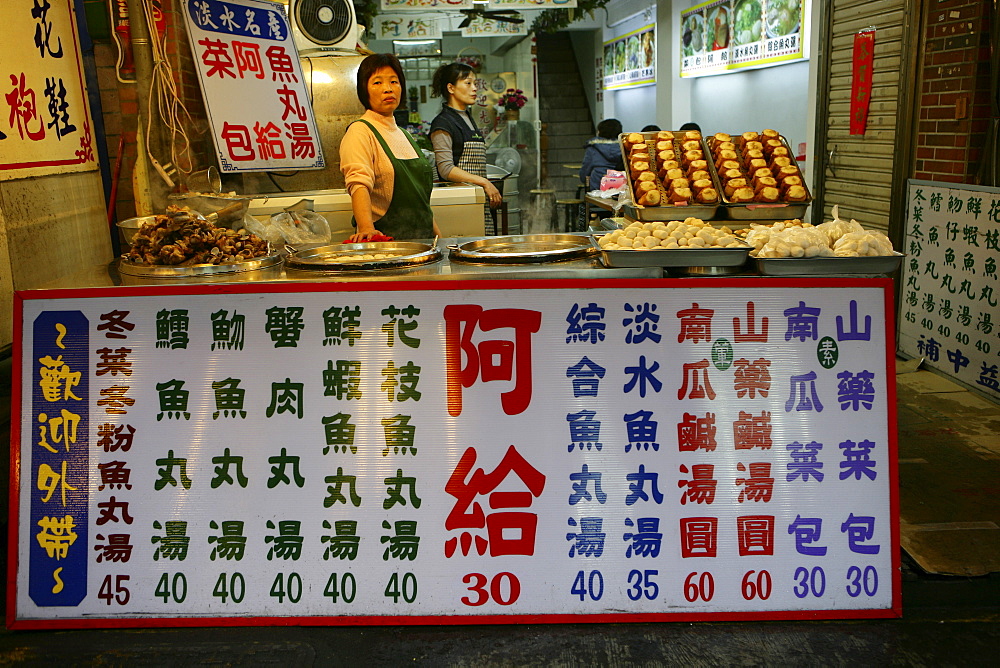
<point>182,237</point>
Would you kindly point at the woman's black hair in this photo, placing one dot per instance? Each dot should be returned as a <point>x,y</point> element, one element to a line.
<point>451,73</point>
<point>609,128</point>
<point>369,66</point>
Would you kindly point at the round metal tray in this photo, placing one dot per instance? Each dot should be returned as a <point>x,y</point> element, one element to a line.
<point>523,249</point>
<point>175,271</point>
<point>325,258</point>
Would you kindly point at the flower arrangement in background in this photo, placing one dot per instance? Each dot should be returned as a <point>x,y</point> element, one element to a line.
<point>475,62</point>
<point>512,99</point>
<point>421,134</point>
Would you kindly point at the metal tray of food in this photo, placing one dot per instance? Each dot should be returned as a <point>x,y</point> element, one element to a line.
<point>523,249</point>
<point>126,266</point>
<point>667,212</point>
<point>828,266</point>
<point>679,258</point>
<point>364,256</point>
<point>761,210</point>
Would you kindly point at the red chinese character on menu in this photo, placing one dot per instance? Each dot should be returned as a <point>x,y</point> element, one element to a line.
<point>510,532</point>
<point>696,324</point>
<point>247,55</point>
<point>492,359</point>
<point>751,334</point>
<point>756,535</point>
<point>699,536</point>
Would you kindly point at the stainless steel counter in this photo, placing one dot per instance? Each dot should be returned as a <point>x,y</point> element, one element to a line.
<point>446,269</point>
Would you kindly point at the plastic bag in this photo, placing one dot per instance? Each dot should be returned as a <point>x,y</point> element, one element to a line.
<point>265,231</point>
<point>612,180</point>
<point>302,227</point>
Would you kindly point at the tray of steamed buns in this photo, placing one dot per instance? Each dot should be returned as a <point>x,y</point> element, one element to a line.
<point>758,175</point>
<point>669,174</point>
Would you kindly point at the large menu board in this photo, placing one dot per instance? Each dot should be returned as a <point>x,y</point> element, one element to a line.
<point>630,60</point>
<point>727,35</point>
<point>950,293</point>
<point>364,453</point>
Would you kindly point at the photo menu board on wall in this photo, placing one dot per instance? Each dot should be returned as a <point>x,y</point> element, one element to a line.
<point>727,35</point>
<point>630,60</point>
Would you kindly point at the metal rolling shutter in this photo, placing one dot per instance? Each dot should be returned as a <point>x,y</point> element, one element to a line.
<point>857,170</point>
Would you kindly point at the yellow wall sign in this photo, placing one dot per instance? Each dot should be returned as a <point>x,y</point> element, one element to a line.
<point>45,124</point>
<point>726,35</point>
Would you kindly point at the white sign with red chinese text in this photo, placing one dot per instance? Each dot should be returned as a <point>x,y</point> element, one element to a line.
<point>638,450</point>
<point>409,26</point>
<point>256,96</point>
<point>45,124</point>
<point>949,315</point>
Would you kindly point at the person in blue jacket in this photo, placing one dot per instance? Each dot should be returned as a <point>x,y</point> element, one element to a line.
<point>602,153</point>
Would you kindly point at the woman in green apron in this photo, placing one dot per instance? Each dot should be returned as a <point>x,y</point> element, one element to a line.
<point>387,177</point>
<point>459,149</point>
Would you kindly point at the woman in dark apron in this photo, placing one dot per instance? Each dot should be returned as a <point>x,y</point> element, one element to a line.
<point>459,149</point>
<point>387,177</point>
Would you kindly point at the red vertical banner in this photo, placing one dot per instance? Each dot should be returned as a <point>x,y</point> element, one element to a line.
<point>861,81</point>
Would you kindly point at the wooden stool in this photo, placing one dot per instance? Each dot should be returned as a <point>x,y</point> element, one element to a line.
<point>570,210</point>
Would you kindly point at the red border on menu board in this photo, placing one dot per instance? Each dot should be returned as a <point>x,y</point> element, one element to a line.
<point>885,284</point>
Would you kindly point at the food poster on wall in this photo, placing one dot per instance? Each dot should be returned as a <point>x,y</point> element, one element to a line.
<point>245,454</point>
<point>728,35</point>
<point>951,290</point>
<point>45,126</point>
<point>630,60</point>
<point>244,51</point>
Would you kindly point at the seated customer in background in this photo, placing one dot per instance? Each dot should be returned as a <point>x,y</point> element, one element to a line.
<point>690,126</point>
<point>651,128</point>
<point>602,153</point>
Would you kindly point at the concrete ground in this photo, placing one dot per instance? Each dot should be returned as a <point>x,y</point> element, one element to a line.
<point>948,620</point>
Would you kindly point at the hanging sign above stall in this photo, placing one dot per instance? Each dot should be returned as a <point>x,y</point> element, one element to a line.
<point>862,63</point>
<point>409,26</point>
<point>489,27</point>
<point>630,60</point>
<point>46,126</point>
<point>729,35</point>
<point>950,294</point>
<point>255,94</point>
<point>422,5</point>
<point>531,4</point>
<point>487,451</point>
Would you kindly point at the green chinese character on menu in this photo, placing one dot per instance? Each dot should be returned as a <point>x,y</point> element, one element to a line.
<point>993,240</point>
<point>228,398</point>
<point>987,296</point>
<point>173,400</point>
<point>278,475</point>
<point>230,544</point>
<point>342,381</point>
<point>404,544</point>
<point>339,433</point>
<point>172,545</point>
<point>172,329</point>
<point>286,397</point>
<point>222,475</point>
<point>405,386</point>
<point>990,267</point>
<point>985,324</point>
<point>398,327</point>
<point>166,471</point>
<point>399,435</point>
<point>974,206</point>
<point>394,490</point>
<point>969,262</point>
<point>287,544</point>
<point>335,487</point>
<point>340,324</point>
<point>284,325</point>
<point>344,543</point>
<point>970,235</point>
<point>228,332</point>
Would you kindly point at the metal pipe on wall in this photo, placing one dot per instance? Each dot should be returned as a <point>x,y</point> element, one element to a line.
<point>150,191</point>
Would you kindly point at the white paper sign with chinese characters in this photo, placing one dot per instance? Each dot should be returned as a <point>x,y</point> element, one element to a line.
<point>951,290</point>
<point>638,450</point>
<point>46,126</point>
<point>488,27</point>
<point>423,5</point>
<point>251,79</point>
